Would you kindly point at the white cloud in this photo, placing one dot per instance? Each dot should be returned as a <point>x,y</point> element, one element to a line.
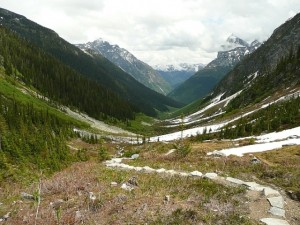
<point>160,31</point>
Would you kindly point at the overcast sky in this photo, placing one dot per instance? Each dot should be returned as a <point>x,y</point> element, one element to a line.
<point>159,31</point>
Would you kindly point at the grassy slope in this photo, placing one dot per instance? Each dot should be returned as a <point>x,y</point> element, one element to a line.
<point>192,201</point>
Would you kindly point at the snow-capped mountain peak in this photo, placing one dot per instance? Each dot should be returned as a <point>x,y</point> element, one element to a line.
<point>234,42</point>
<point>233,51</point>
<point>193,67</point>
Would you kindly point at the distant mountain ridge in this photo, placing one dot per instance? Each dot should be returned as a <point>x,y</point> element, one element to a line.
<point>202,82</point>
<point>177,74</point>
<point>193,67</point>
<point>121,57</point>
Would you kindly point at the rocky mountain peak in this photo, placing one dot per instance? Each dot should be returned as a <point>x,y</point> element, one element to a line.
<point>234,42</point>
<point>128,63</point>
<point>232,39</point>
<point>233,51</point>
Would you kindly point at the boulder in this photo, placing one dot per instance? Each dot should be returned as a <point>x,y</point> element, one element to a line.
<point>135,156</point>
<point>277,211</point>
<point>276,202</point>
<point>210,176</point>
<point>196,173</point>
<point>270,192</point>
<point>273,221</point>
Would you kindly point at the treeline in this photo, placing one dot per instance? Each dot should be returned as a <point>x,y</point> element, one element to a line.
<point>59,82</point>
<point>275,117</point>
<point>31,140</point>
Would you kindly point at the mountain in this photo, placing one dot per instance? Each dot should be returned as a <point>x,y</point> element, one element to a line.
<point>202,82</point>
<point>97,68</point>
<point>139,70</point>
<point>274,66</point>
<point>260,94</point>
<point>177,74</point>
<point>57,81</point>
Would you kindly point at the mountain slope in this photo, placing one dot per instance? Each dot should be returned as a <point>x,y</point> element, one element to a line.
<point>203,81</point>
<point>33,135</point>
<point>177,74</point>
<point>261,93</point>
<point>272,67</point>
<point>95,68</point>
<point>57,81</point>
<point>139,70</point>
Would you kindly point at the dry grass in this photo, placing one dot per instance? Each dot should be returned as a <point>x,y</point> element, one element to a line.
<point>65,195</point>
<point>64,199</point>
<point>278,167</point>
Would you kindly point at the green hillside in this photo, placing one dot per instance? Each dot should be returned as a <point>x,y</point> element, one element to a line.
<point>198,85</point>
<point>95,68</point>
<point>33,134</point>
<point>59,82</point>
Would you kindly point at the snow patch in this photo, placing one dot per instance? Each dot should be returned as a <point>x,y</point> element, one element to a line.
<point>265,142</point>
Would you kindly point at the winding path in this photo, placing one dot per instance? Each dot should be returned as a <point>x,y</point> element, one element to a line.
<point>274,198</point>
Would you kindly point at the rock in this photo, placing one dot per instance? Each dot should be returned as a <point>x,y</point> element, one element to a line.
<point>295,195</point>
<point>27,196</point>
<point>273,221</point>
<point>5,217</point>
<point>196,173</point>
<point>113,184</point>
<point>92,196</point>
<point>254,186</point>
<point>171,172</point>
<point>255,160</point>
<point>133,181</point>
<point>162,170</point>
<point>148,169</point>
<point>138,168</point>
<point>234,180</point>
<point>276,202</point>
<point>277,211</point>
<point>166,198</point>
<point>170,152</point>
<point>127,167</point>
<point>270,192</point>
<point>135,156</point>
<point>210,176</point>
<point>183,174</point>
<point>127,187</point>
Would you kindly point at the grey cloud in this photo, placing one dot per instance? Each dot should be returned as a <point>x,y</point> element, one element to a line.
<point>160,31</point>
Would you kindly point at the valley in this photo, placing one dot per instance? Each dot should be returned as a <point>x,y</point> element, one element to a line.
<point>89,134</point>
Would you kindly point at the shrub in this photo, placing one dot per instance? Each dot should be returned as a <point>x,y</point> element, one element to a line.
<point>103,153</point>
<point>183,148</point>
